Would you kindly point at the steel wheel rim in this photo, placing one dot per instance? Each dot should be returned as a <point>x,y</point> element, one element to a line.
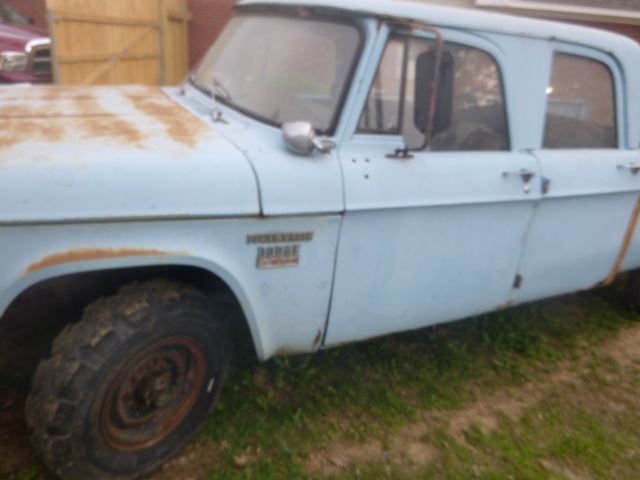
<point>152,394</point>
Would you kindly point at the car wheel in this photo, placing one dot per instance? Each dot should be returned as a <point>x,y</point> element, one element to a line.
<point>130,384</point>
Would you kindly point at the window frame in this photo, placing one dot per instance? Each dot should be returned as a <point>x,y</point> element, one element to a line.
<point>619,112</point>
<point>463,39</point>
<point>403,86</point>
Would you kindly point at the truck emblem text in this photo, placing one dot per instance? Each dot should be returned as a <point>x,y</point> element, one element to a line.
<point>294,237</point>
<point>279,256</point>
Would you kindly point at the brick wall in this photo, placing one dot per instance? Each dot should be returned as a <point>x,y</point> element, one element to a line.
<point>632,31</point>
<point>31,8</point>
<point>208,19</point>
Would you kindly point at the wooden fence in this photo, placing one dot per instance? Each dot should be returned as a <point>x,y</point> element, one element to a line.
<point>100,42</point>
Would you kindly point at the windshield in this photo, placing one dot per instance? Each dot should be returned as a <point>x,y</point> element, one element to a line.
<point>9,15</point>
<point>281,68</point>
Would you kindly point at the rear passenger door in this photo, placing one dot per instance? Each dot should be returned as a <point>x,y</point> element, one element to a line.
<point>590,186</point>
<point>436,235</point>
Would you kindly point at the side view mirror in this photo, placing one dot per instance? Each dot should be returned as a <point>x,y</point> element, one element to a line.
<point>426,68</point>
<point>301,139</point>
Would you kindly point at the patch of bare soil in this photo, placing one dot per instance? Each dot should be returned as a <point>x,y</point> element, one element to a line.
<point>406,446</point>
<point>485,413</point>
<point>625,349</point>
<point>563,471</point>
<point>195,462</point>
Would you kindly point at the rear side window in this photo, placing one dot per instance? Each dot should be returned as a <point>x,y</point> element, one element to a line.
<point>581,109</point>
<point>478,119</point>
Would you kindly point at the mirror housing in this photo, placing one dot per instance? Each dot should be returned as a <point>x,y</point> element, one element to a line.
<point>301,139</point>
<point>426,68</point>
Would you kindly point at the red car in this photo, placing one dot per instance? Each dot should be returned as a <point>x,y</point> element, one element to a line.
<point>25,50</point>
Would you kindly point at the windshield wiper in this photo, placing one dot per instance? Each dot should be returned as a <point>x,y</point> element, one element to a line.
<point>219,90</point>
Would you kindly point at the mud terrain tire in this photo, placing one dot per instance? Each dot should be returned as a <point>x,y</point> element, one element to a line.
<point>130,384</point>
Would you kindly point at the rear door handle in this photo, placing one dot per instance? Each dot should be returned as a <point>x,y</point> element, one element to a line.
<point>525,174</point>
<point>632,167</point>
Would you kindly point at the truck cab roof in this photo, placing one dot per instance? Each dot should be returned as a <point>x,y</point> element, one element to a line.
<point>445,16</point>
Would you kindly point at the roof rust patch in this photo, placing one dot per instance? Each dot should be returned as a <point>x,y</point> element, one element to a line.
<point>127,115</point>
<point>59,116</point>
<point>15,131</point>
<point>84,254</point>
<point>110,126</point>
<point>179,125</point>
<point>113,128</point>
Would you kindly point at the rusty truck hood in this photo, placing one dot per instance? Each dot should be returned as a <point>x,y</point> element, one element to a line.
<point>76,153</point>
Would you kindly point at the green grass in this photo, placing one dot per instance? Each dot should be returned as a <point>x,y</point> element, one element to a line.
<point>277,414</point>
<point>275,418</point>
<point>30,473</point>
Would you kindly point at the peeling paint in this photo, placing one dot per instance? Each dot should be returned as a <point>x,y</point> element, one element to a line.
<point>84,254</point>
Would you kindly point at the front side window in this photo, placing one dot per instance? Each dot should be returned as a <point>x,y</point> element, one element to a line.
<point>477,111</point>
<point>580,104</point>
<point>282,68</point>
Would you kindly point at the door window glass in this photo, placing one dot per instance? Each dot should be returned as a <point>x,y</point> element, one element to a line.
<point>580,104</point>
<point>478,120</point>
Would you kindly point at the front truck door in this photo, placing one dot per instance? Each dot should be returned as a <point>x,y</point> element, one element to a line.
<point>577,233</point>
<point>432,235</point>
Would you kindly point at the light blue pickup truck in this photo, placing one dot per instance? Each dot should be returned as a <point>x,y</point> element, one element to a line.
<point>330,172</point>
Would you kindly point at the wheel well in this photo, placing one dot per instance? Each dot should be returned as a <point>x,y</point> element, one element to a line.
<point>39,313</point>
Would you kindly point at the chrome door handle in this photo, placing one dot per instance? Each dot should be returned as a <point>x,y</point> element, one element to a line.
<point>525,175</point>
<point>634,168</point>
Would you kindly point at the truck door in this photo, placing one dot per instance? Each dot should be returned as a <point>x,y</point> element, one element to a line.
<point>590,181</point>
<point>433,235</point>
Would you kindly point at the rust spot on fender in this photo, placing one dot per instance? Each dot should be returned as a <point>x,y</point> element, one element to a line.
<point>84,254</point>
<point>624,248</point>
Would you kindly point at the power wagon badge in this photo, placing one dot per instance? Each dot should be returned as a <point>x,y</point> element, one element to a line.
<point>279,250</point>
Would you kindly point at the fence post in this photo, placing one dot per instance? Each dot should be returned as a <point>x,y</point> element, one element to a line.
<point>51,25</point>
<point>163,23</point>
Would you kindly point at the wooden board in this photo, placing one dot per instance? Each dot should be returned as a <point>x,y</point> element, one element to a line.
<point>99,42</point>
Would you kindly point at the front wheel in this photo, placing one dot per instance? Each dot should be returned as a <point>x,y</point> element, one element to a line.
<point>130,384</point>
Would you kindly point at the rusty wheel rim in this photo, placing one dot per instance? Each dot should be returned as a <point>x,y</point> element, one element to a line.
<point>152,394</point>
